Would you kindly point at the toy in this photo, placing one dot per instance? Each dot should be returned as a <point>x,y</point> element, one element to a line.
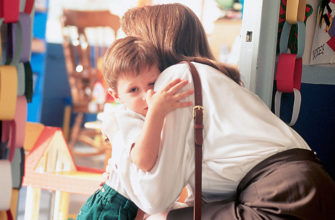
<point>50,165</point>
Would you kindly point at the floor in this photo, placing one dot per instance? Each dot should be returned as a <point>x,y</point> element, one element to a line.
<point>76,201</point>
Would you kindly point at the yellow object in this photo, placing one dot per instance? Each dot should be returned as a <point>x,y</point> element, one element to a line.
<point>141,3</point>
<point>3,215</point>
<point>14,202</point>
<point>230,29</point>
<point>295,11</point>
<point>62,200</point>
<point>8,92</point>
<point>50,165</point>
<point>72,216</point>
<point>33,131</point>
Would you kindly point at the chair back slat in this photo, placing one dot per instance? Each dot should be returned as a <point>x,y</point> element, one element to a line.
<point>86,36</point>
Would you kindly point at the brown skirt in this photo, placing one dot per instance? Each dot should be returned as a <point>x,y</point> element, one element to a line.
<point>288,185</point>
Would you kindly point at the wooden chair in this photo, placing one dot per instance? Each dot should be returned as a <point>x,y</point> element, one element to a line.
<point>86,37</point>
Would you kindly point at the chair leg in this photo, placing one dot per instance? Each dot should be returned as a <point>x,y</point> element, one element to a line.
<point>76,129</point>
<point>66,121</point>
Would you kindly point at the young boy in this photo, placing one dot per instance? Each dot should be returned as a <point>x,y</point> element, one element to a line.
<point>134,128</point>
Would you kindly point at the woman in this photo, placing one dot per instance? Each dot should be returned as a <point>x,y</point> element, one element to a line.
<point>251,158</point>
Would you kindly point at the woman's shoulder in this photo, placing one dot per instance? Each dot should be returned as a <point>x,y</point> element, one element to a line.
<point>182,71</point>
<point>182,68</point>
<point>176,69</point>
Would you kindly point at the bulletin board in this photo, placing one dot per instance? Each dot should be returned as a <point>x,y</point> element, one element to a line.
<point>323,47</point>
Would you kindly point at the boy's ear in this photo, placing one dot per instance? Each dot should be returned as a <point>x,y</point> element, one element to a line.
<point>113,93</point>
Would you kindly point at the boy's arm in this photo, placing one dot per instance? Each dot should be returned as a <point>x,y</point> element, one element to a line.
<point>145,151</point>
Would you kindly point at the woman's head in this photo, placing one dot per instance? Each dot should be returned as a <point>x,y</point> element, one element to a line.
<point>176,33</point>
<point>174,29</point>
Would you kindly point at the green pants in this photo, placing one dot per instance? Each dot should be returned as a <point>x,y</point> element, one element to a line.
<point>106,203</point>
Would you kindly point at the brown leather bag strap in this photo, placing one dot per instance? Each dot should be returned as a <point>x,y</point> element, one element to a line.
<point>198,139</point>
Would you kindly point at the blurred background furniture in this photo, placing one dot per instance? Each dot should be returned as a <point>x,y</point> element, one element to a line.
<point>86,37</point>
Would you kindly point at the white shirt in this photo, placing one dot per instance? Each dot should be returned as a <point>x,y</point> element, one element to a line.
<point>239,132</point>
<point>122,127</point>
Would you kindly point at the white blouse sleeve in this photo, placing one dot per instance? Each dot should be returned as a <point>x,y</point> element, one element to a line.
<point>156,190</point>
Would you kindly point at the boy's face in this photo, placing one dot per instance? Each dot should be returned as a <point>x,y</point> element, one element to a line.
<point>131,89</point>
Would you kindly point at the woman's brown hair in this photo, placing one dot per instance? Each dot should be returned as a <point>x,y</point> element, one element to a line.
<point>176,33</point>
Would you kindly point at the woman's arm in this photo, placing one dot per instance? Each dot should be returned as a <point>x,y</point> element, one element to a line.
<point>145,151</point>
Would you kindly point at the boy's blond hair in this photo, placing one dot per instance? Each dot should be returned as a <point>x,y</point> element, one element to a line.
<point>128,55</point>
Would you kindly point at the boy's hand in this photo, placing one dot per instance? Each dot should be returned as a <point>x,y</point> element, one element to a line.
<point>145,151</point>
<point>169,98</point>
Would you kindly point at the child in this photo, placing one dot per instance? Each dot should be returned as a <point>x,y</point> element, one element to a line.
<point>131,69</point>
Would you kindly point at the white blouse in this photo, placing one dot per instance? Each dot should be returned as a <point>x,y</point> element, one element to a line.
<point>239,132</point>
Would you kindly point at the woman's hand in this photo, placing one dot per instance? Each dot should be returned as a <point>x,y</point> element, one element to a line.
<point>169,98</point>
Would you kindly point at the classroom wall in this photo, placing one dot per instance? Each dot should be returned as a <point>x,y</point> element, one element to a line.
<point>316,122</point>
